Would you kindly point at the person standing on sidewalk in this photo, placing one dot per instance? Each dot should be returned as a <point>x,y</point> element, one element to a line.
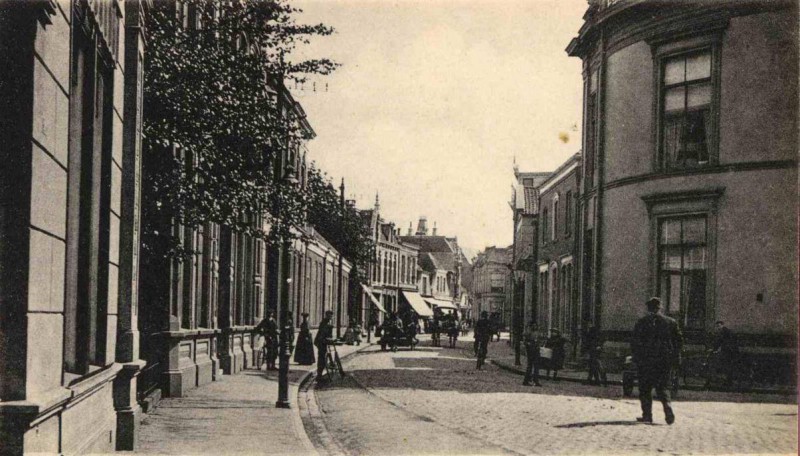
<point>594,344</point>
<point>304,352</point>
<point>556,342</point>
<point>269,329</point>
<point>322,339</point>
<point>657,344</point>
<point>532,352</point>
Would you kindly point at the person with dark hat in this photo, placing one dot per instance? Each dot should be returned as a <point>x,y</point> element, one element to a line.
<point>532,352</point>
<point>657,344</point>
<point>268,328</point>
<point>483,332</point>
<point>321,340</point>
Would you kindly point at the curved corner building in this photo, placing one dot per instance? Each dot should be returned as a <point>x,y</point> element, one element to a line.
<point>690,168</point>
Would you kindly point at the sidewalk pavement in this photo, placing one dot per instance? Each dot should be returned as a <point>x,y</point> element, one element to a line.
<point>501,354</point>
<point>236,414</point>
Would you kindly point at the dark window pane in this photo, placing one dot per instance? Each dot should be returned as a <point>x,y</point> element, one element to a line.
<point>672,139</point>
<point>671,293</point>
<point>694,150</point>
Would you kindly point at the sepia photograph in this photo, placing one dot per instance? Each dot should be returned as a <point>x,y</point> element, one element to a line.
<point>399,227</point>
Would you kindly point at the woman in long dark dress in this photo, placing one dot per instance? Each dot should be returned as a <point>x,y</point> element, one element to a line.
<point>304,353</point>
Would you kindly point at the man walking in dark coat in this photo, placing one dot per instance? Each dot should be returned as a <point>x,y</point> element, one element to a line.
<point>324,334</point>
<point>483,332</point>
<point>532,351</point>
<point>657,344</point>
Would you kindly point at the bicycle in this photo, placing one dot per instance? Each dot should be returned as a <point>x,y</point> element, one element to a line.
<point>333,364</point>
<point>734,371</point>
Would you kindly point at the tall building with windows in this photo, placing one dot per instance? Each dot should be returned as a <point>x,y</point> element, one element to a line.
<point>69,224</point>
<point>441,263</point>
<point>491,278</point>
<point>557,243</point>
<point>525,207</point>
<point>690,167</point>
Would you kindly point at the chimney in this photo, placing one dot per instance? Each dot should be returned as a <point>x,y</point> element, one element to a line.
<point>422,227</point>
<point>409,229</point>
<point>434,228</point>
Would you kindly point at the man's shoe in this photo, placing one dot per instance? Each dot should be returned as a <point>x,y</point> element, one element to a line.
<point>669,416</point>
<point>644,419</point>
<point>526,384</point>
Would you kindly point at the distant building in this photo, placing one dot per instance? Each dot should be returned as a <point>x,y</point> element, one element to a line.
<point>690,168</point>
<point>441,261</point>
<point>525,207</point>
<point>491,276</point>
<point>393,275</point>
<point>557,244</point>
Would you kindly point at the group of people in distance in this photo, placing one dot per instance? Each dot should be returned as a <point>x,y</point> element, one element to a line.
<point>269,329</point>
<point>394,331</point>
<point>656,344</point>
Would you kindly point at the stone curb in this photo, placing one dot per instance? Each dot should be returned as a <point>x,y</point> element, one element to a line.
<point>297,420</point>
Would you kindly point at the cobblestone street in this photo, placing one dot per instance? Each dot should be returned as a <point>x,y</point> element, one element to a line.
<point>432,400</point>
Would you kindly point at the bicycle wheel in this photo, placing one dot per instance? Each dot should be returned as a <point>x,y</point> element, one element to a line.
<point>331,367</point>
<point>339,364</point>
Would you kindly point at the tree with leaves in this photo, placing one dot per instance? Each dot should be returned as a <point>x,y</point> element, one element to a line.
<point>217,130</point>
<point>339,223</point>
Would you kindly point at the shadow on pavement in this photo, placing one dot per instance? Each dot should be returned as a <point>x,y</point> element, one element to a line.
<point>601,423</point>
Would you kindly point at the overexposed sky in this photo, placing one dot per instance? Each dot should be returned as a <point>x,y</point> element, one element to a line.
<point>435,98</point>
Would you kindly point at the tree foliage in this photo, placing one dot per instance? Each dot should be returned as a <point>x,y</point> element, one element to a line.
<point>215,126</point>
<point>339,223</point>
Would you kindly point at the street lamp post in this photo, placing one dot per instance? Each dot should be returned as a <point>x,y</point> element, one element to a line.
<point>286,333</point>
<point>285,319</point>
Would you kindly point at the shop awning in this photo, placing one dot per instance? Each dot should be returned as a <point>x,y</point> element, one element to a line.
<point>372,298</point>
<point>441,303</point>
<point>418,304</point>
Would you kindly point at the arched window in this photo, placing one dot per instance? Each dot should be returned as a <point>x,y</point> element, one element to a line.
<point>554,231</point>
